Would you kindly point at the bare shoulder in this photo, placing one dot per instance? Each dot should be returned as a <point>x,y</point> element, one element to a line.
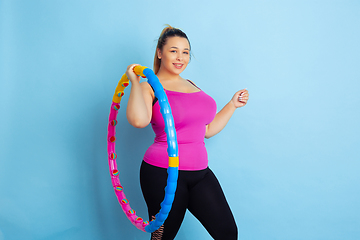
<point>145,86</point>
<point>192,83</point>
<point>147,89</point>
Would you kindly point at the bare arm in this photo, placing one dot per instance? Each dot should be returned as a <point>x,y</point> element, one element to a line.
<point>239,99</point>
<point>139,109</point>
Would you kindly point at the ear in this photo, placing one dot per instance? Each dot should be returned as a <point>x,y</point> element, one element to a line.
<point>159,53</point>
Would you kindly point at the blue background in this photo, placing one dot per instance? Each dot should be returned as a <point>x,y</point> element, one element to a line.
<point>288,161</point>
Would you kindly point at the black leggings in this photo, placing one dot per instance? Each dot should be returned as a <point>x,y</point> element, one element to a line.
<point>198,191</point>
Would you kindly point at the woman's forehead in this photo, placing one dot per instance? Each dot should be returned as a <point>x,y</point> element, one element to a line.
<point>177,42</point>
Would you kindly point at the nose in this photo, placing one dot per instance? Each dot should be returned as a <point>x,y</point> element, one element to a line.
<point>179,56</point>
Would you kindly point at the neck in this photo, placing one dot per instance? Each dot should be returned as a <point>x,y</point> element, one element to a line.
<point>167,76</point>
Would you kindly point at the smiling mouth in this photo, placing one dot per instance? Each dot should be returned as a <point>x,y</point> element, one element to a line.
<point>178,65</point>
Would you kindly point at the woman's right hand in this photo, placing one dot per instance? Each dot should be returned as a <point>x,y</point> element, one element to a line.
<point>133,78</point>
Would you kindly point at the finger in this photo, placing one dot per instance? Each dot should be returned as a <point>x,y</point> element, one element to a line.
<point>242,92</point>
<point>243,98</point>
<point>131,66</point>
<point>244,95</point>
<point>130,70</point>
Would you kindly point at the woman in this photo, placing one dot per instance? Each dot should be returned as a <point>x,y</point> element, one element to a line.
<point>195,117</point>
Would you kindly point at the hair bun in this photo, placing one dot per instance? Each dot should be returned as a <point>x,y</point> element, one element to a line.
<point>166,29</point>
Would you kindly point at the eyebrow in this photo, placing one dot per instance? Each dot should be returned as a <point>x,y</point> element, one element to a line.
<point>178,48</point>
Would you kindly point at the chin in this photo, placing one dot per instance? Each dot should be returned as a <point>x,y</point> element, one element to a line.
<point>178,71</point>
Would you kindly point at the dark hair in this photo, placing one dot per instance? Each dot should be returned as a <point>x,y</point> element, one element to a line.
<point>166,33</point>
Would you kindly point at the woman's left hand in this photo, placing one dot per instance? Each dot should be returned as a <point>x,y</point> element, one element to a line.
<point>240,98</point>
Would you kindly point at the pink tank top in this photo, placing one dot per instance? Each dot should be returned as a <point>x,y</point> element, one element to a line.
<point>191,112</point>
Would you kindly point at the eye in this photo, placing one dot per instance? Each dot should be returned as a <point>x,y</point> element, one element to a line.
<point>173,51</point>
<point>186,52</point>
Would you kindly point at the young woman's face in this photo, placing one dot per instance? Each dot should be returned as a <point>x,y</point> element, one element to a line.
<point>175,55</point>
